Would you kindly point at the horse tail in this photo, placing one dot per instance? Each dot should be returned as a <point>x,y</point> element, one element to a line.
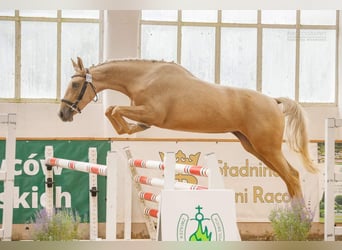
<point>295,131</point>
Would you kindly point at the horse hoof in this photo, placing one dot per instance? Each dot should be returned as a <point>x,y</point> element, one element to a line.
<point>109,110</point>
<point>143,126</point>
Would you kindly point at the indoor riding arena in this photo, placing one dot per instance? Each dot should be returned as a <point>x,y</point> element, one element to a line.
<point>170,125</point>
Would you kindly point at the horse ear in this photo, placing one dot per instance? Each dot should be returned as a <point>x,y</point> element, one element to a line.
<point>80,64</point>
<point>76,68</point>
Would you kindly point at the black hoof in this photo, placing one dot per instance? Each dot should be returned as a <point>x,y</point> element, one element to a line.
<point>143,126</point>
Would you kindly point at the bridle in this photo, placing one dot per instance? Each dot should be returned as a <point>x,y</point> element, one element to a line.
<point>88,81</point>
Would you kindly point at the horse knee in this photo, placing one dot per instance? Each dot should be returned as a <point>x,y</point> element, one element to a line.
<point>109,110</point>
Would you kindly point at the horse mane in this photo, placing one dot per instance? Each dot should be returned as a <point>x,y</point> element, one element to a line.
<point>139,60</point>
<point>132,60</point>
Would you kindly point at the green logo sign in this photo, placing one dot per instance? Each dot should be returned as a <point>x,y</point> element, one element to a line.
<point>70,187</point>
<point>200,228</point>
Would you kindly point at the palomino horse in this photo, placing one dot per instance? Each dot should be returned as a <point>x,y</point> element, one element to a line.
<point>168,96</point>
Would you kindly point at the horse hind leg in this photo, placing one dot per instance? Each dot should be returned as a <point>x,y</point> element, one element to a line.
<point>275,160</point>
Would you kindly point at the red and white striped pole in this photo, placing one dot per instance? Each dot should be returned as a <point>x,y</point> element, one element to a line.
<point>156,182</point>
<point>149,196</point>
<point>179,168</point>
<point>151,212</point>
<point>78,166</point>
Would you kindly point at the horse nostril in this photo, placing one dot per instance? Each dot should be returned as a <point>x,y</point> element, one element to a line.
<point>61,115</point>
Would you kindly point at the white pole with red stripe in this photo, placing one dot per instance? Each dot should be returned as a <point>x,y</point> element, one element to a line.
<point>78,166</point>
<point>91,168</point>
<point>151,212</point>
<point>157,182</point>
<point>179,168</point>
<point>149,196</point>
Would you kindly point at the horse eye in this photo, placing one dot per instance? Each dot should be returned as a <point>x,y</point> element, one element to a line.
<point>75,85</point>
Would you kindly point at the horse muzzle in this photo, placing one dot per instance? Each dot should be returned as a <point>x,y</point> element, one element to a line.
<point>66,114</point>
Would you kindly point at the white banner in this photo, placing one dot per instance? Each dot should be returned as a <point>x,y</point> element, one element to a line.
<point>258,189</point>
<point>198,216</point>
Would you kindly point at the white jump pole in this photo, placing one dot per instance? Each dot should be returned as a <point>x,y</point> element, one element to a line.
<point>78,166</point>
<point>128,200</point>
<point>179,168</point>
<point>7,175</point>
<point>169,171</point>
<point>110,171</point>
<point>170,167</point>
<point>124,173</point>
<point>215,180</point>
<point>111,206</point>
<point>49,190</point>
<point>168,183</point>
<point>148,196</point>
<point>157,182</point>
<point>331,179</point>
<point>49,182</point>
<point>329,216</point>
<point>93,197</point>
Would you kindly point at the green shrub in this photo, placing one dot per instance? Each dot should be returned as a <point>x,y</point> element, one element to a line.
<point>61,226</point>
<point>291,222</point>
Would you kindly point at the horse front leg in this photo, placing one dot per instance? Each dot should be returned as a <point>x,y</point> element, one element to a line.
<point>115,115</point>
<point>118,128</point>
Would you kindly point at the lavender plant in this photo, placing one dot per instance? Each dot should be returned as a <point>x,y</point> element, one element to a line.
<point>61,226</point>
<point>291,223</point>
